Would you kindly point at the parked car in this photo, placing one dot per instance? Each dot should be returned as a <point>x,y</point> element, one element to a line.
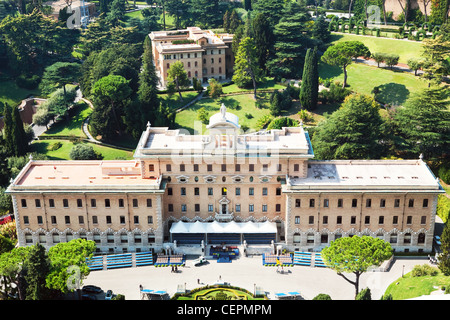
<point>91,289</point>
<point>109,295</point>
<point>199,261</point>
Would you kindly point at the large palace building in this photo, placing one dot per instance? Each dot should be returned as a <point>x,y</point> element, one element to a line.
<point>256,189</point>
<point>204,54</point>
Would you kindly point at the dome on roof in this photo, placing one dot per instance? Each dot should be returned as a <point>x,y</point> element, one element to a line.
<point>224,119</point>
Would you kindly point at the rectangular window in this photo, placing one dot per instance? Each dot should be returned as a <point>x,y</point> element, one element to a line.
<point>325,219</point>
<point>224,167</point>
<point>67,219</point>
<point>53,219</point>
<point>278,191</point>
<point>423,219</point>
<point>297,203</point>
<point>278,207</point>
<point>382,203</point>
<point>353,220</point>
<point>237,167</point>
<point>395,220</point>
<point>251,167</point>
<point>251,191</point>
<point>39,219</point>
<point>425,203</point>
<point>183,191</point>
<point>94,220</point>
<point>197,207</point>
<point>169,191</point>
<point>151,167</point>
<point>108,219</point>
<point>23,202</point>
<point>251,208</point>
<point>339,220</point>
<point>182,167</point>
<point>149,203</point>
<point>396,203</point>
<point>107,203</point>
<point>354,203</point>
<point>340,203</point>
<point>279,167</point>
<point>381,220</point>
<point>196,191</point>
<point>121,203</point>
<point>51,203</point>
<point>135,203</point>
<point>79,203</point>
<point>264,208</point>
<point>238,208</point>
<point>37,202</point>
<point>297,220</point>
<point>26,220</point>
<point>311,220</point>
<point>265,167</point>
<point>195,167</point>
<point>93,203</point>
<point>264,191</point>
<point>80,219</point>
<point>183,208</point>
<point>210,208</point>
<point>368,203</point>
<point>136,219</point>
<point>312,203</point>
<point>210,191</point>
<point>367,220</point>
<point>209,167</point>
<point>170,207</point>
<point>65,203</point>
<point>168,167</point>
<point>238,191</point>
<point>296,167</point>
<point>150,219</point>
<point>326,203</point>
<point>411,203</point>
<point>409,220</point>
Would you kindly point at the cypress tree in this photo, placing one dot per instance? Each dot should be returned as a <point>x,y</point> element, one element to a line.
<point>7,130</point>
<point>20,138</point>
<point>310,81</point>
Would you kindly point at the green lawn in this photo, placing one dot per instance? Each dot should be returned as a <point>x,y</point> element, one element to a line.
<point>239,105</point>
<point>395,87</point>
<point>268,84</point>
<point>405,49</point>
<point>41,146</point>
<point>12,94</point>
<point>72,126</point>
<point>173,100</point>
<point>411,287</point>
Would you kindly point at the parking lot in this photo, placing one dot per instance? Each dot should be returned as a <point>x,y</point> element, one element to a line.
<point>248,273</point>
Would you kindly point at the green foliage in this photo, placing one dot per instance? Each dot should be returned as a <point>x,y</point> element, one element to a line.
<point>28,82</point>
<point>84,152</point>
<point>264,40</point>
<point>444,257</point>
<point>203,115</point>
<point>355,255</point>
<point>58,75</point>
<point>322,296</point>
<point>444,172</point>
<point>214,88</point>
<point>37,266</point>
<point>177,76</point>
<point>391,59</point>
<point>281,122</point>
<point>354,131</point>
<point>443,207</point>
<point>364,295</point>
<point>424,123</point>
<point>422,270</point>
<point>279,101</point>
<point>309,90</point>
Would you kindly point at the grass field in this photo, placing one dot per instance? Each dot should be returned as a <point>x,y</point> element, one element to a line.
<point>41,146</point>
<point>239,105</point>
<point>13,95</point>
<point>395,87</point>
<point>410,287</point>
<point>73,125</point>
<point>404,48</point>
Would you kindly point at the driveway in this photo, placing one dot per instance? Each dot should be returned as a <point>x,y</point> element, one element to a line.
<point>247,272</point>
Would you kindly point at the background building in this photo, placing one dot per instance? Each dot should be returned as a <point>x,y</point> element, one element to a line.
<point>227,187</point>
<point>203,53</point>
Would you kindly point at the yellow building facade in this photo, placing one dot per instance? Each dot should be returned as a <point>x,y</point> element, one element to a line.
<point>258,190</point>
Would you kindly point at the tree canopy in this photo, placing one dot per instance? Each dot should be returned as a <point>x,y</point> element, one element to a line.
<point>355,255</point>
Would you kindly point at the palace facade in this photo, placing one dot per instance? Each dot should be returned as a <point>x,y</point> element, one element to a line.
<point>257,189</point>
<point>204,54</point>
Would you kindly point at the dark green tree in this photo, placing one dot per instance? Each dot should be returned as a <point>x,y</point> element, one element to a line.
<point>272,9</point>
<point>8,138</point>
<point>424,123</point>
<point>292,39</point>
<point>20,137</point>
<point>354,131</point>
<point>264,40</point>
<point>320,29</point>
<point>309,90</point>
<point>38,267</point>
<point>444,257</point>
<point>207,13</point>
<point>110,97</point>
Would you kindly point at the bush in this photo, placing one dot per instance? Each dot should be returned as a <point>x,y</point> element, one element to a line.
<point>84,152</point>
<point>27,82</point>
<point>322,296</point>
<point>278,123</point>
<point>444,173</point>
<point>364,295</point>
<point>421,270</point>
<point>55,146</point>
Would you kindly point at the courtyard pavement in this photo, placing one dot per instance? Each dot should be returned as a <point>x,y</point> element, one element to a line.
<point>248,272</point>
